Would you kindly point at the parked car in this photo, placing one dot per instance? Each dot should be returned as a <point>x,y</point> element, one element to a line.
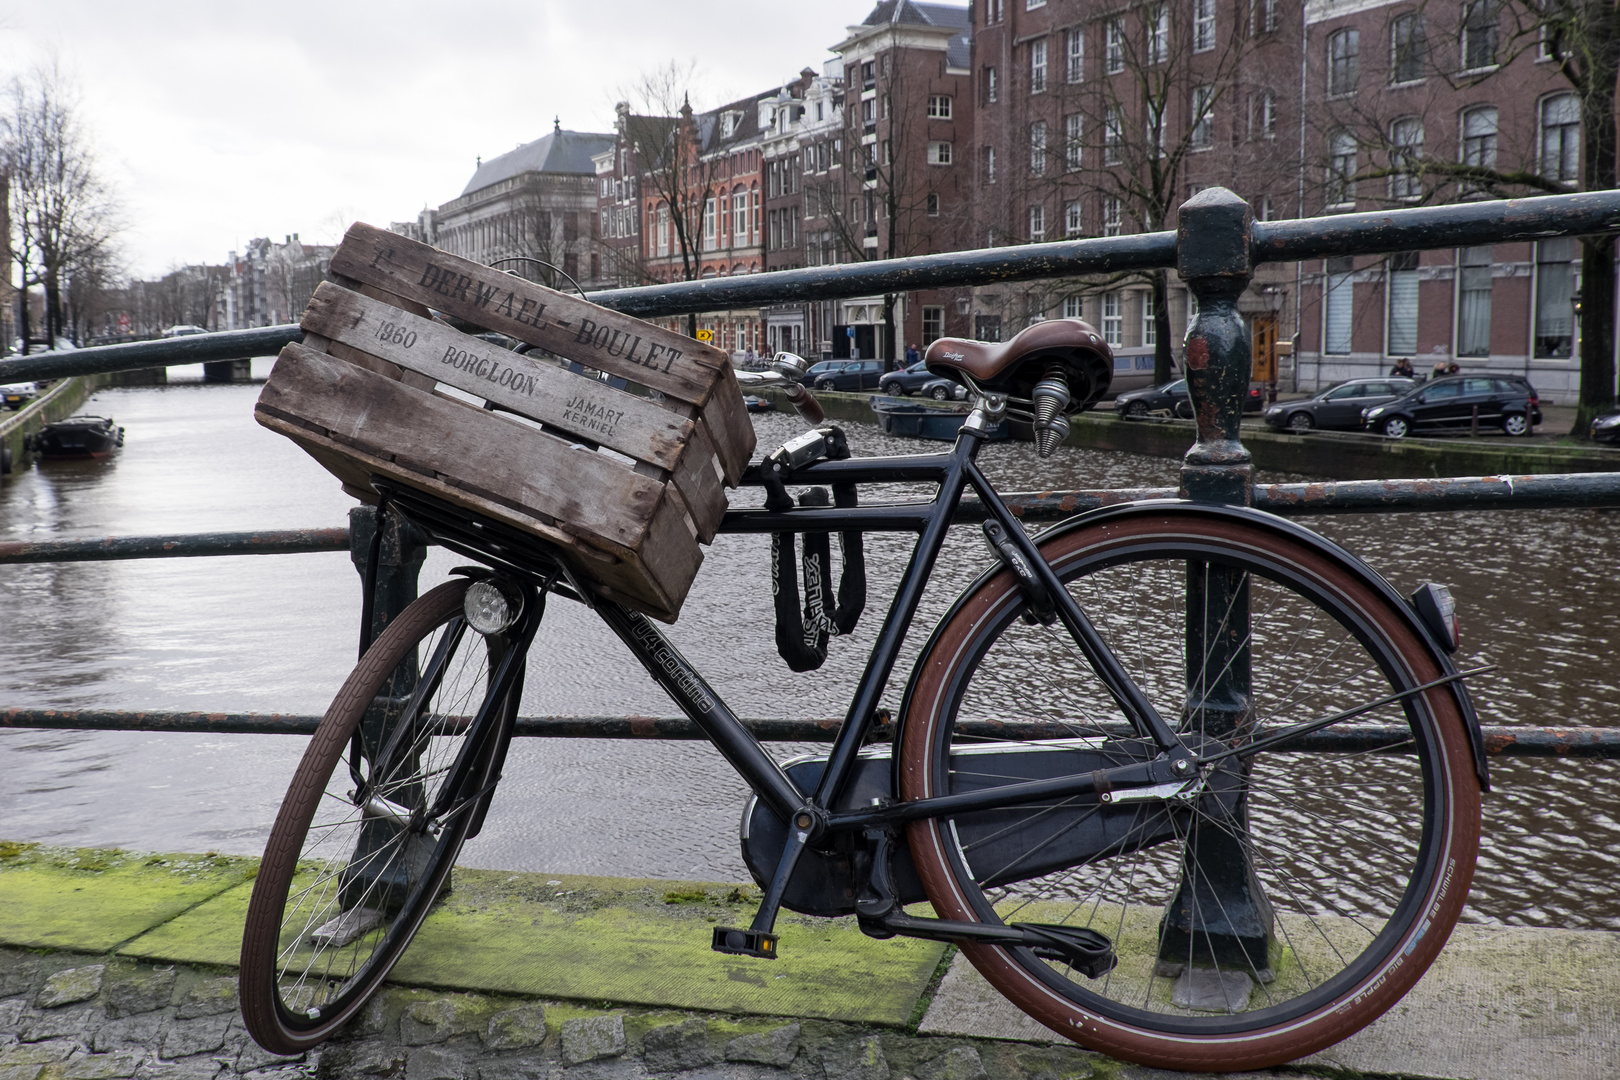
<point>1451,403</point>
<point>917,379</point>
<point>1338,407</point>
<point>1606,428</point>
<point>1171,397</point>
<point>16,395</point>
<point>846,375</point>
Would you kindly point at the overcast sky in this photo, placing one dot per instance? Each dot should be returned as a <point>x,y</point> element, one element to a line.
<point>220,121</point>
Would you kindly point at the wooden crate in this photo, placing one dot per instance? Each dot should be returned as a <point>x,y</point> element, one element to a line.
<point>365,394</point>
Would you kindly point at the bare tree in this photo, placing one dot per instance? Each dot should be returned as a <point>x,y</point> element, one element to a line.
<point>665,140</point>
<point>1393,161</point>
<point>63,215</point>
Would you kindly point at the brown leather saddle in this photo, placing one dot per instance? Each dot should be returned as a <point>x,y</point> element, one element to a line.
<point>1014,367</point>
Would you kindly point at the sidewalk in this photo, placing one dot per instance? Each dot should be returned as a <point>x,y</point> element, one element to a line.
<point>116,964</point>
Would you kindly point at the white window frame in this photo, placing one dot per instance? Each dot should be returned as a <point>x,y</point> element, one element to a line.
<point>1037,224</point>
<point>1404,184</point>
<point>1113,135</point>
<point>1158,43</point>
<point>1114,46</point>
<point>1263,115</point>
<point>1037,66</point>
<point>1342,152</point>
<point>1113,320</point>
<point>1201,135</point>
<point>1416,47</point>
<point>1037,148</point>
<point>1343,62</point>
<point>1073,221</point>
<point>1490,27</point>
<point>1566,131</point>
<point>1338,309</point>
<point>1401,299</point>
<point>939,106</point>
<point>1073,306</point>
<point>1203,25</point>
<point>1150,326</point>
<point>1113,216</point>
<point>1075,55</point>
<point>1073,145</point>
<point>939,153</point>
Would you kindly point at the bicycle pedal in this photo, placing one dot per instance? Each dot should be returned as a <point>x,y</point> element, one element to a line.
<point>1085,950</point>
<point>744,942</point>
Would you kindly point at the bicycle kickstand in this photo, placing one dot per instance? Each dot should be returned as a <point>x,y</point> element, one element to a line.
<point>758,940</point>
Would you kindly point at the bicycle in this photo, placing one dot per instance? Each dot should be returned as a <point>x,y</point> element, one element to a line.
<point>1097,775</point>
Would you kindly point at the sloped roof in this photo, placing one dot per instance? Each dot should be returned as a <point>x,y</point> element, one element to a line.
<point>559,152</point>
<point>710,129</point>
<point>909,11</point>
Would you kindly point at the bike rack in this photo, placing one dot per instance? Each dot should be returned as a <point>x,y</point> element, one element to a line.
<point>1215,249</point>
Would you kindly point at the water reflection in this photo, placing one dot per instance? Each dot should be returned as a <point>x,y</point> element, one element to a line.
<point>276,633</point>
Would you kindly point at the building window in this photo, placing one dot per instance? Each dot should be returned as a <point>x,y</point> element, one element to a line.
<point>1113,216</point>
<point>939,153</point>
<point>1480,22</point>
<point>1114,46</point>
<point>1112,136</point>
<point>1555,297</point>
<point>1474,301</point>
<point>1402,293</point>
<point>1408,49</point>
<point>1037,147</point>
<point>663,230</point>
<point>1072,307</point>
<point>868,76</point>
<point>1037,66</point>
<point>1561,138</point>
<point>708,221</point>
<point>1342,169</point>
<point>1263,116</point>
<point>1337,308</point>
<point>1262,209</point>
<point>1262,16</point>
<point>754,192</point>
<point>988,167</point>
<point>1113,323</point>
<point>992,12</point>
<point>933,325</point>
<point>1158,50</point>
<point>1150,325</point>
<point>1203,25</point>
<point>1202,135</point>
<point>1031,5</point>
<point>1037,223</point>
<point>1344,62</point>
<point>1072,145</point>
<point>939,107</point>
<point>739,219</point>
<point>933,204</point>
<point>1071,218</point>
<point>1405,158</point>
<point>1075,50</point>
<point>989,86</point>
<point>1479,137</point>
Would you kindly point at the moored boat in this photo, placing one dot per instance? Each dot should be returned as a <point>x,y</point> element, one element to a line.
<point>917,421</point>
<point>77,437</point>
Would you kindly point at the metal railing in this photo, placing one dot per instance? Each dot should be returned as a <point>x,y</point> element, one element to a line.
<point>1215,249</point>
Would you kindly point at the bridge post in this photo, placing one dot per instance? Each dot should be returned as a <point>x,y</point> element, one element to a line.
<point>1220,914</point>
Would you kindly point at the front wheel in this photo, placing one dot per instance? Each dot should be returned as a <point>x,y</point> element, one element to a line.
<point>1301,422</point>
<point>1273,910</point>
<point>1396,427</point>
<point>356,858</point>
<point>824,384</point>
<point>893,389</point>
<point>1136,410</point>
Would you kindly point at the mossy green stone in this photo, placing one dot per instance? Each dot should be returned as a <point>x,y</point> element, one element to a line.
<point>91,900</point>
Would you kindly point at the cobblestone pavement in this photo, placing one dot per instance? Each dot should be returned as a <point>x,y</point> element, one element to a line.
<point>67,1016</point>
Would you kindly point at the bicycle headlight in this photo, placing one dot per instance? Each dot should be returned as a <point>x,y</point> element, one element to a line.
<point>489,608</point>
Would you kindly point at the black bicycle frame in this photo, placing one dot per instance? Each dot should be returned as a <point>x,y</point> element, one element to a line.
<point>954,471</point>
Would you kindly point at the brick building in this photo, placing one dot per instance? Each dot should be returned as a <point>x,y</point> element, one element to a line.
<point>1406,98</point>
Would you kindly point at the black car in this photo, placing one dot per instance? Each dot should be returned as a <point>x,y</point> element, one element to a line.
<point>1454,402</point>
<point>1606,428</point>
<point>917,379</point>
<point>845,375</point>
<point>1169,398</point>
<point>1338,406</point>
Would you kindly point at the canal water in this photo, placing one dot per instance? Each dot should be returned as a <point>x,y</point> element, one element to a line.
<point>277,633</point>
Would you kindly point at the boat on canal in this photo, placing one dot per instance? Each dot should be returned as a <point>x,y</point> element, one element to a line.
<point>77,437</point>
<point>914,420</point>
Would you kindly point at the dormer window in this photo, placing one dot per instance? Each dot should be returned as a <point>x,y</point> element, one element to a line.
<point>728,124</point>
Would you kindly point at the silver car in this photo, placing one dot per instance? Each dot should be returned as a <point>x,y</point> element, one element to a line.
<point>1338,407</point>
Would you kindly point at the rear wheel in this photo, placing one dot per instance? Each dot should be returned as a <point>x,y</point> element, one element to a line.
<point>344,887</point>
<point>940,393</point>
<point>1245,935</point>
<point>1516,424</point>
<point>893,389</point>
<point>824,384</point>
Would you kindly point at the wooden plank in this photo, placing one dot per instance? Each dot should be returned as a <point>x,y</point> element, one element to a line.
<point>729,425</point>
<point>539,390</point>
<point>498,458</point>
<point>668,362</point>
